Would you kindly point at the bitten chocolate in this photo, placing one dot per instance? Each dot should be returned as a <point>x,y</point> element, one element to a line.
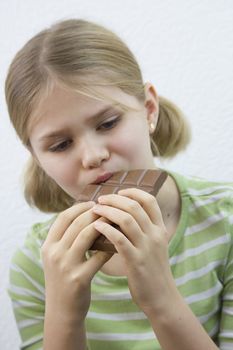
<point>148,180</point>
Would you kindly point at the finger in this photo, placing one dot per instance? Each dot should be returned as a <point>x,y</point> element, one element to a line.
<point>128,205</point>
<point>96,261</point>
<point>82,221</point>
<point>147,201</point>
<point>84,240</point>
<point>116,237</point>
<point>65,218</point>
<point>127,223</point>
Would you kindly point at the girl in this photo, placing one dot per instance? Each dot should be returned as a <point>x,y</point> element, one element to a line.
<point>78,103</point>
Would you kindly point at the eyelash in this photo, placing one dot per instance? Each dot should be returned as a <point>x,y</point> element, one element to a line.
<point>61,147</point>
<point>109,124</point>
<point>64,145</point>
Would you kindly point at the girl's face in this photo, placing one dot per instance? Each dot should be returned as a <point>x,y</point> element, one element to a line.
<point>79,140</point>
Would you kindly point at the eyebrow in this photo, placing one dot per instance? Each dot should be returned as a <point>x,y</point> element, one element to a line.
<point>95,117</point>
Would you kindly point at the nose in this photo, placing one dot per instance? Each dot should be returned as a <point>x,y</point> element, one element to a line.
<point>93,153</point>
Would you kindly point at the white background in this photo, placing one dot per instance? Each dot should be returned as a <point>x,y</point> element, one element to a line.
<point>184,47</point>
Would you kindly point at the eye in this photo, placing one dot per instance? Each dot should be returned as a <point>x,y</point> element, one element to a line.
<point>60,147</point>
<point>109,124</point>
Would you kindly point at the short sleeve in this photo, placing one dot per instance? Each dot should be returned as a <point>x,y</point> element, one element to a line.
<point>226,321</point>
<point>27,291</point>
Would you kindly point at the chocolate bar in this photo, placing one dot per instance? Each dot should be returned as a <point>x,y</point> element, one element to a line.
<point>148,180</point>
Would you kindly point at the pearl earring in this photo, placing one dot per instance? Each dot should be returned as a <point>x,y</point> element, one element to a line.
<point>152,127</point>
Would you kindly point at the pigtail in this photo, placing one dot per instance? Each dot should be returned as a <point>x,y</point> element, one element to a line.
<point>41,191</point>
<point>172,133</point>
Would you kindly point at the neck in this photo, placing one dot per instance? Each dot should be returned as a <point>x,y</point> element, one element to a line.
<point>170,209</point>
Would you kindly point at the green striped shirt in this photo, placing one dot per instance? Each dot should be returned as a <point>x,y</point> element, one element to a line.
<point>201,259</point>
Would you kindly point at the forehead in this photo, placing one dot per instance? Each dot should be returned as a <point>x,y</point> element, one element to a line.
<point>61,101</point>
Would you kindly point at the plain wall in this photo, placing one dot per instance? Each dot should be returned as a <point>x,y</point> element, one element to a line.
<point>184,47</point>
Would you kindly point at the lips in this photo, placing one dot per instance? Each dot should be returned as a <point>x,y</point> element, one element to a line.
<point>102,178</point>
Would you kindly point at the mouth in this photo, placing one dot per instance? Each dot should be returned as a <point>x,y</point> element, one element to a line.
<point>102,178</point>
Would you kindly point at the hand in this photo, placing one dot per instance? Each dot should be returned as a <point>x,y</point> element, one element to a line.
<point>142,244</point>
<point>68,272</point>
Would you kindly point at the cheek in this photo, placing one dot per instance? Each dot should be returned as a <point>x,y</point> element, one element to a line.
<point>60,171</point>
<point>127,145</point>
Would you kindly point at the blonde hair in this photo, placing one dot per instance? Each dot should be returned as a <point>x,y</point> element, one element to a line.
<point>71,53</point>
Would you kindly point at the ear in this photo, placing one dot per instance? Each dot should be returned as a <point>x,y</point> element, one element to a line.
<point>151,105</point>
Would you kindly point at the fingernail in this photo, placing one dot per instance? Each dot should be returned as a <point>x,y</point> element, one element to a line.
<point>101,199</point>
<point>98,224</point>
<point>96,207</point>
